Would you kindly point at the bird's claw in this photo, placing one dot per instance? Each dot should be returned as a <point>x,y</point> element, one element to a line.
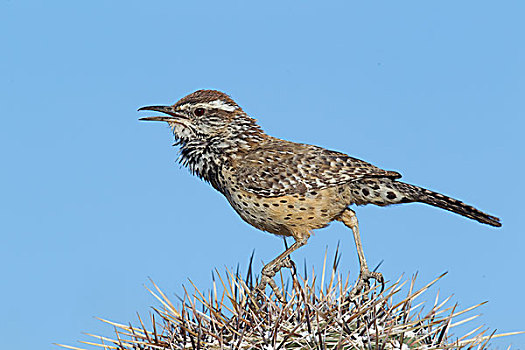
<point>267,278</point>
<point>363,283</point>
<point>268,273</point>
<point>289,263</point>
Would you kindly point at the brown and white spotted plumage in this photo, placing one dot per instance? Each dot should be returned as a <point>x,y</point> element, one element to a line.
<point>283,187</point>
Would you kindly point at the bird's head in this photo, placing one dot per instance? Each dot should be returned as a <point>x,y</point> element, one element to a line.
<point>205,115</point>
<point>210,129</point>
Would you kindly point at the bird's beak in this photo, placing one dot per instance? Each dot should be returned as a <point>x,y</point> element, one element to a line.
<point>170,110</point>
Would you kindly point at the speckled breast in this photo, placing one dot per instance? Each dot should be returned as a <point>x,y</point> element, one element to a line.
<point>288,215</point>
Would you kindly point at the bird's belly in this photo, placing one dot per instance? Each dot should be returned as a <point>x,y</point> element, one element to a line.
<point>291,214</point>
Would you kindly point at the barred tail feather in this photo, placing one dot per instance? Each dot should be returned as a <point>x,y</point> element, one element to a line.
<point>418,194</point>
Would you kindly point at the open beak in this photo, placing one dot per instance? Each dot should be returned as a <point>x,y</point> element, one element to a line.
<point>171,116</point>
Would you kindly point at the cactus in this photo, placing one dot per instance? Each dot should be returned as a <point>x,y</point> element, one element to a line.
<point>317,314</point>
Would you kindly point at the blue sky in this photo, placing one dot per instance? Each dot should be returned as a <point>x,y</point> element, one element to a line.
<point>93,202</point>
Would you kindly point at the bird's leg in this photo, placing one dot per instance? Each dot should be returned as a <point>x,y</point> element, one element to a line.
<point>288,262</point>
<point>274,266</point>
<point>349,219</point>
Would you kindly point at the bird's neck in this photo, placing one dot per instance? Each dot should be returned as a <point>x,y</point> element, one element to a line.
<point>205,157</point>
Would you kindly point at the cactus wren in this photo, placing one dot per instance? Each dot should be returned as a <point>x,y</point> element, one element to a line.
<point>282,187</point>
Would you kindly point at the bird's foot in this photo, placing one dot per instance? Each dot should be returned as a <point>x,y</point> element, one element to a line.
<point>288,262</point>
<point>362,285</point>
<point>268,273</point>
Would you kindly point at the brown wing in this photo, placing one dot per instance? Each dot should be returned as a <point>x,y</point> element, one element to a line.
<point>283,168</point>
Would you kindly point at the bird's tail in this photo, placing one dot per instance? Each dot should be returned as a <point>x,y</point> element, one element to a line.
<point>418,194</point>
<point>386,191</point>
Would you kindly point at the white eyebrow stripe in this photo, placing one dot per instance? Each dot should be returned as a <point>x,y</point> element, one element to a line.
<point>218,104</point>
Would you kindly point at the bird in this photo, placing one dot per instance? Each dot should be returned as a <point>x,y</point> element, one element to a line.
<point>286,188</point>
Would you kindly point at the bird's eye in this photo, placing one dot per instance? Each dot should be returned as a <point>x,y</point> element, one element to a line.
<point>199,112</point>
